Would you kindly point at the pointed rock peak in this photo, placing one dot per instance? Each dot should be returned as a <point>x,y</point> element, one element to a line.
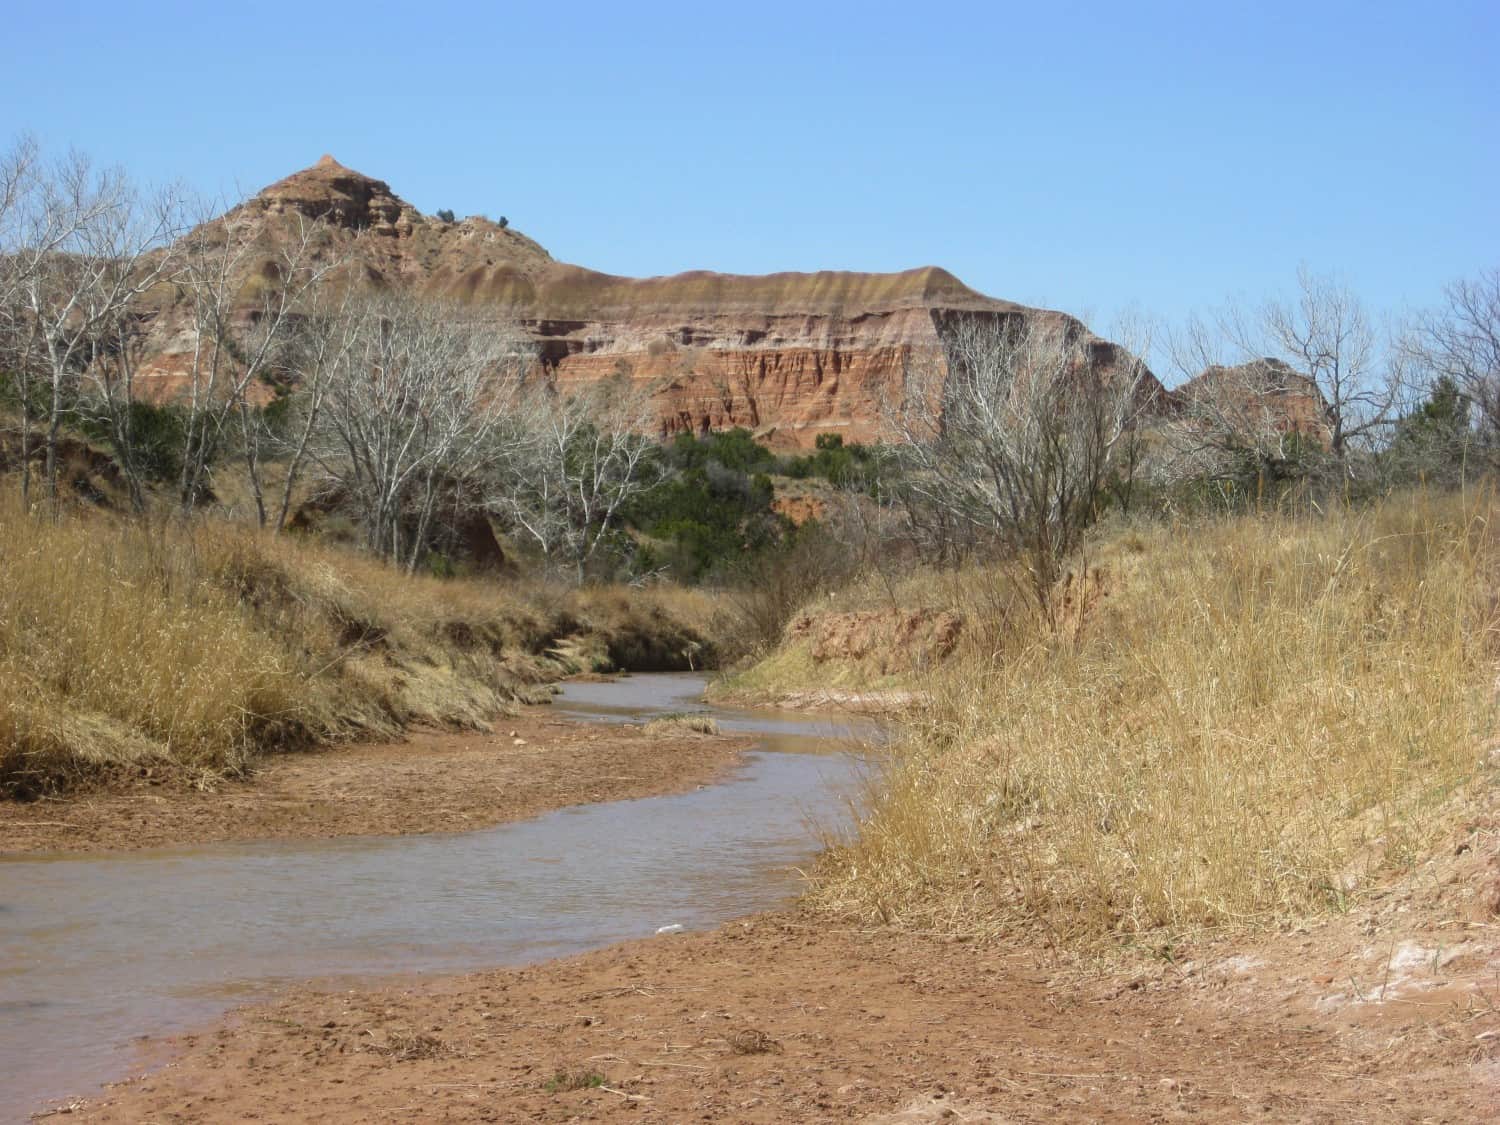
<point>341,196</point>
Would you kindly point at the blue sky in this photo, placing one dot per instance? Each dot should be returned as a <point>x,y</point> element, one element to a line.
<point>1093,157</point>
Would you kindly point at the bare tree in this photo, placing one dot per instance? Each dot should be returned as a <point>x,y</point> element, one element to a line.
<point>108,392</point>
<point>1326,333</point>
<point>1282,388</point>
<point>88,247</point>
<point>1461,342</point>
<point>18,183</point>
<point>580,458</point>
<point>412,407</point>
<point>18,180</point>
<point>328,328</point>
<point>1016,430</point>
<point>243,292</point>
<point>1321,342</point>
<point>1228,418</point>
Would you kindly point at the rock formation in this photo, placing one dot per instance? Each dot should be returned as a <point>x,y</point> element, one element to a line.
<point>788,355</point>
<point>1261,396</point>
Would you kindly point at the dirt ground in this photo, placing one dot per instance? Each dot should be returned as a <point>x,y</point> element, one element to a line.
<point>774,1020</point>
<point>432,782</point>
<point>1389,1013</point>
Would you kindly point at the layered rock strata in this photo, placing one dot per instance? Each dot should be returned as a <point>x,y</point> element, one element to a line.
<point>787,355</point>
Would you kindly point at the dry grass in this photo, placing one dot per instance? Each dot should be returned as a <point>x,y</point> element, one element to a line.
<point>114,654</point>
<point>411,1046</point>
<point>576,1078</point>
<point>1237,721</point>
<point>790,670</point>
<point>133,650</point>
<point>679,722</point>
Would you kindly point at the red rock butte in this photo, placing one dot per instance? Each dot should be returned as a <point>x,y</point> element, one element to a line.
<point>787,355</point>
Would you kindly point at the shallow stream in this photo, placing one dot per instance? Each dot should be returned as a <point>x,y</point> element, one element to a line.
<point>98,950</point>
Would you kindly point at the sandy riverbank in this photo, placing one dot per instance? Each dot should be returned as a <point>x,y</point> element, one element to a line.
<point>783,1018</point>
<point>431,782</point>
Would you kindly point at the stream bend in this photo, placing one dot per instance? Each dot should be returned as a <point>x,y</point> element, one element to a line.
<point>98,950</point>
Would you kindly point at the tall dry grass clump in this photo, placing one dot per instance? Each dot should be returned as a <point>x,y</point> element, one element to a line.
<point>131,649</point>
<point>1242,720</point>
<point>114,654</point>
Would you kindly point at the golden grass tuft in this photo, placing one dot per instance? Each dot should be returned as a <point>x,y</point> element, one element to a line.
<point>1238,721</point>
<point>682,722</point>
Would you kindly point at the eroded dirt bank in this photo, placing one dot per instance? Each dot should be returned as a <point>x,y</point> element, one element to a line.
<point>432,782</point>
<point>780,1019</point>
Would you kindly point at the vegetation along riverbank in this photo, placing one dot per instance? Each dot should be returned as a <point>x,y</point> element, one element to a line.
<point>1189,800</point>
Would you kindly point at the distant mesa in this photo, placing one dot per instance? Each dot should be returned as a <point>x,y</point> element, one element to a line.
<point>787,355</point>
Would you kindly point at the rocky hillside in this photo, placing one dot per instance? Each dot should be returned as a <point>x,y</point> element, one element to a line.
<point>788,355</point>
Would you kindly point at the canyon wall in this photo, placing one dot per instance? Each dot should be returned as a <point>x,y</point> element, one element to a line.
<point>788,355</point>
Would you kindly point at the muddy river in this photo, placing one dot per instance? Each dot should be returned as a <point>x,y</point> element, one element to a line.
<point>96,951</point>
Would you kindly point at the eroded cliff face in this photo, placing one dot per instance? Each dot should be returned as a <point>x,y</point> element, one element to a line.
<point>788,355</point>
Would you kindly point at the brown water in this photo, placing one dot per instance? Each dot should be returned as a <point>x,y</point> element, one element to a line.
<point>97,950</point>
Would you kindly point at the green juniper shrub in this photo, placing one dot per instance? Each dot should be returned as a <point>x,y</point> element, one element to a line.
<point>734,449</point>
<point>158,437</point>
<point>844,465</point>
<point>1433,443</point>
<point>706,516</point>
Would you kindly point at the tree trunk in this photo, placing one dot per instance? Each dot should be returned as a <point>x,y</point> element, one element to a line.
<point>294,469</point>
<point>423,521</point>
<point>25,452</point>
<point>54,429</point>
<point>252,461</point>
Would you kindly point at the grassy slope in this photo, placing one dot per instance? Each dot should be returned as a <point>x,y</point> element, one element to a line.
<point>132,649</point>
<point>1239,720</point>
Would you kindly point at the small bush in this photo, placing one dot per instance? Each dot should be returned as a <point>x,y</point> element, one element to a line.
<point>844,466</point>
<point>566,1081</point>
<point>158,437</point>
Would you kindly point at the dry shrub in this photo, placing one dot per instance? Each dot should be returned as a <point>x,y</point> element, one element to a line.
<point>767,592</point>
<point>752,1041</point>
<point>1242,722</point>
<point>678,723</point>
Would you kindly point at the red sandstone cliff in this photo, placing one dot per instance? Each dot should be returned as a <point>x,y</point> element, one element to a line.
<point>788,355</point>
